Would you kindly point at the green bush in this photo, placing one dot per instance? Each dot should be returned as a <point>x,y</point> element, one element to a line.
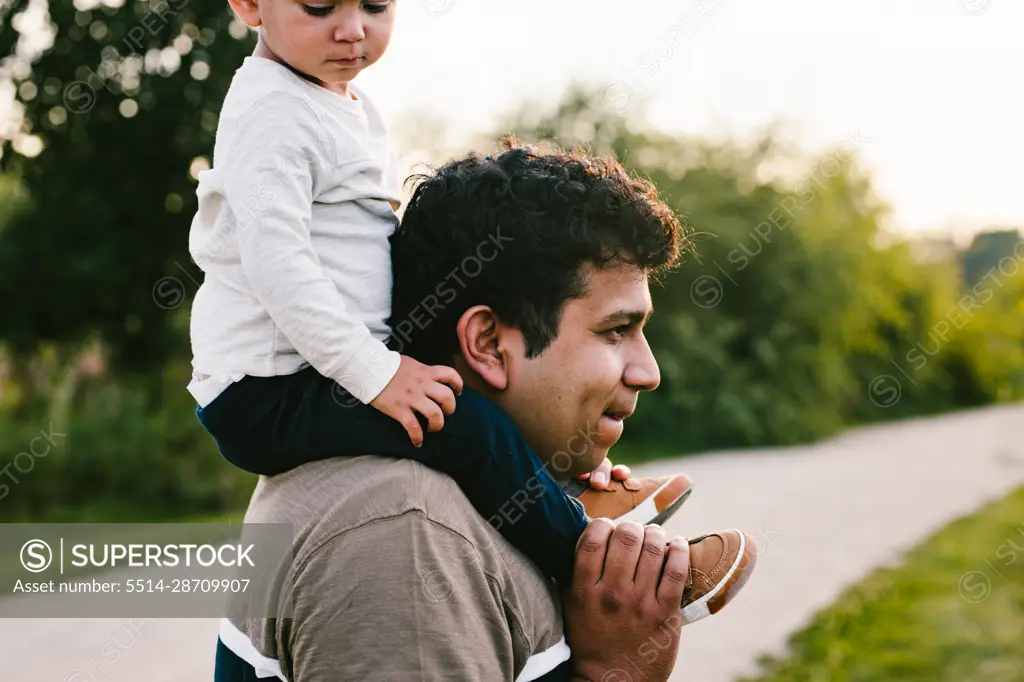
<point>110,449</point>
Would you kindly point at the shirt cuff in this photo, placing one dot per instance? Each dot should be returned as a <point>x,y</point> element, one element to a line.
<point>366,375</point>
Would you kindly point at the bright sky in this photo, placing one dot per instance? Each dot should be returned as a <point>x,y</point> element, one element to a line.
<point>935,87</point>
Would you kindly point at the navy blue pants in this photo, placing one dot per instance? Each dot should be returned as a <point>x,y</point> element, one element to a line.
<point>268,425</point>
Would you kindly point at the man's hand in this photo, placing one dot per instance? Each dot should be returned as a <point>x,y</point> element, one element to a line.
<point>622,611</point>
<point>429,390</point>
<point>599,477</point>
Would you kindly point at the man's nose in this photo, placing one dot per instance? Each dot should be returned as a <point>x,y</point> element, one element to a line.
<point>642,372</point>
<point>349,28</point>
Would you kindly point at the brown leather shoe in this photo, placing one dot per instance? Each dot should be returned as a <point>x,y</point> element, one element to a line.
<point>644,500</point>
<point>720,564</point>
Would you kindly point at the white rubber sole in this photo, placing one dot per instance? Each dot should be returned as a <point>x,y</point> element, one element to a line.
<point>647,512</point>
<point>699,610</point>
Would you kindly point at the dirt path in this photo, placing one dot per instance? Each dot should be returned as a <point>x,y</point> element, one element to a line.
<point>824,516</point>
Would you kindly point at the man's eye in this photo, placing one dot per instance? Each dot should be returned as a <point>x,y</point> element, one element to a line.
<point>377,8</point>
<point>617,333</point>
<point>318,10</point>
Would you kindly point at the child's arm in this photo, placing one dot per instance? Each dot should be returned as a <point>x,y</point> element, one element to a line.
<point>277,157</point>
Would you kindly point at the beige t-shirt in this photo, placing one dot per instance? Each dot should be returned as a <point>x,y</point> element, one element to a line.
<point>396,576</point>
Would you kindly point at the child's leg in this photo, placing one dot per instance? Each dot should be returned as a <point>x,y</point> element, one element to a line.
<point>271,425</point>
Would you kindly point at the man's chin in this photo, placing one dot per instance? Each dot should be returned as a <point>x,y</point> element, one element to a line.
<point>586,449</point>
<point>563,469</point>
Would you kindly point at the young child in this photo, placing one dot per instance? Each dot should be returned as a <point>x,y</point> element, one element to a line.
<point>289,327</point>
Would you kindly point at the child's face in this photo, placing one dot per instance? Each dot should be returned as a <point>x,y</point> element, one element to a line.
<point>328,40</point>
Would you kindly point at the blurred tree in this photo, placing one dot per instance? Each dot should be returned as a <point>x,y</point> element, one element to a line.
<point>118,111</point>
<point>985,252</point>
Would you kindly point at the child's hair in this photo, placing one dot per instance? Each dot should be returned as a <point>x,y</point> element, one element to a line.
<point>513,232</point>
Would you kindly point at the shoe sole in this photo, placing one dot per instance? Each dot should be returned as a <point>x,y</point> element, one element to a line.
<point>642,513</point>
<point>667,513</point>
<point>722,593</point>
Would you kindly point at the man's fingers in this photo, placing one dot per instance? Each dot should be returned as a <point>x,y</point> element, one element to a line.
<point>675,573</point>
<point>652,558</point>
<point>431,411</point>
<point>590,552</point>
<point>447,375</point>
<point>623,553</point>
<point>443,396</point>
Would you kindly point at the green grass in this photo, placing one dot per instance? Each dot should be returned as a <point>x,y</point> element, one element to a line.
<point>953,612</point>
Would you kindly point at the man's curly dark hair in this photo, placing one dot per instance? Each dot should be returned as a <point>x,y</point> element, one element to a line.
<point>513,232</point>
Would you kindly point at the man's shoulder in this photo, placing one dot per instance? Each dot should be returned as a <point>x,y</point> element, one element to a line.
<point>342,493</point>
<point>337,497</point>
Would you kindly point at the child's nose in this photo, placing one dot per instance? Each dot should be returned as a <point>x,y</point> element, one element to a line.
<point>349,27</point>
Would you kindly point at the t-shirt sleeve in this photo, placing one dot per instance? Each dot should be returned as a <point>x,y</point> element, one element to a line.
<point>405,598</point>
<point>275,162</point>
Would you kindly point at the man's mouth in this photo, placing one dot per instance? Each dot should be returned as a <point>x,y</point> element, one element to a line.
<point>609,427</point>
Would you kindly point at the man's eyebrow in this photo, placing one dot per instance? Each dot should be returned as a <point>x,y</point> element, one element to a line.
<point>631,317</point>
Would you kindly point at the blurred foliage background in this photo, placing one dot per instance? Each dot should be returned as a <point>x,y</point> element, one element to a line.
<point>796,315</point>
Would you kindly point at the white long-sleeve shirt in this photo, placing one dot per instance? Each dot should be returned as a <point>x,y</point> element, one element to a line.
<point>292,234</point>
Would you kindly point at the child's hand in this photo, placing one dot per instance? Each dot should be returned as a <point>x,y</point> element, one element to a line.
<point>599,477</point>
<point>419,388</point>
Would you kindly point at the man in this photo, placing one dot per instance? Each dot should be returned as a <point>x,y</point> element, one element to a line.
<point>528,273</point>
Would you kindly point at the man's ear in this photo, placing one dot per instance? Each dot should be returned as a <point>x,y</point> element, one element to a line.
<point>248,11</point>
<point>481,344</point>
